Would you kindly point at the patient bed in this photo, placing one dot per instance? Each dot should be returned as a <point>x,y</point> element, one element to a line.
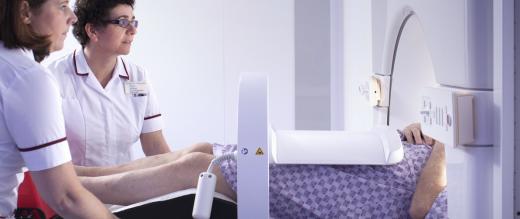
<point>176,205</point>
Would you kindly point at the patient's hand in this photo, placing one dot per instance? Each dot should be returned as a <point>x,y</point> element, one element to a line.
<point>414,135</point>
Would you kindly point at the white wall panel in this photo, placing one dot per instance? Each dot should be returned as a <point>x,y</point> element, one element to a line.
<point>357,62</point>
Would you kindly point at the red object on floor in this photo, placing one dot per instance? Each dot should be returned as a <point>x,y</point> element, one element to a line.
<point>29,198</point>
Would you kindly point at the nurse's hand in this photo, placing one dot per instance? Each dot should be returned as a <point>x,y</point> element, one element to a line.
<point>414,135</point>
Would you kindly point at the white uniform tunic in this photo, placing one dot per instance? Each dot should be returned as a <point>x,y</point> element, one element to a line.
<point>32,131</point>
<point>103,123</point>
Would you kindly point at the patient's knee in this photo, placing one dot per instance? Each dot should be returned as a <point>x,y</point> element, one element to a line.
<point>192,164</point>
<point>203,147</point>
<point>198,161</point>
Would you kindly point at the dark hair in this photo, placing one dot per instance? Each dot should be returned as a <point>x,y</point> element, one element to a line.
<point>15,34</point>
<point>94,12</point>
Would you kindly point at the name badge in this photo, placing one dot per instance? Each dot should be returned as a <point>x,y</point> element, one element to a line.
<point>136,89</point>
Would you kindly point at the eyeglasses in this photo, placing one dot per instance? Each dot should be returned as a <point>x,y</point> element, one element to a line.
<point>124,23</point>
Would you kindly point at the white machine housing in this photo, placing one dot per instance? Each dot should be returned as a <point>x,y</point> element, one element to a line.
<point>457,32</point>
<point>253,150</point>
<point>379,146</point>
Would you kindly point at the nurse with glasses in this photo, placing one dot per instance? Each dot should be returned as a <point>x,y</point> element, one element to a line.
<point>108,102</point>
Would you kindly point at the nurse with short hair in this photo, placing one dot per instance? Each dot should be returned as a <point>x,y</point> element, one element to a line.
<point>108,102</point>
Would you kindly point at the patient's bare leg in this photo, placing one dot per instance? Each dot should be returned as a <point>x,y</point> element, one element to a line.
<point>142,184</point>
<point>145,162</point>
<point>431,182</point>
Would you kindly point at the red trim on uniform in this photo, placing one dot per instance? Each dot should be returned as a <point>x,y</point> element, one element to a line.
<point>127,75</point>
<point>42,146</point>
<point>151,117</point>
<point>76,66</point>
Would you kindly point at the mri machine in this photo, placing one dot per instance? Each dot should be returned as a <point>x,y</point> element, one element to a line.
<point>436,70</point>
<point>429,68</point>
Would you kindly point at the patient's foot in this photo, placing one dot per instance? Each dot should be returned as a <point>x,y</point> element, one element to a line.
<point>431,182</point>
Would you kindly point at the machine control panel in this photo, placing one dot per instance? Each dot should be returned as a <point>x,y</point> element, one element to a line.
<point>448,116</point>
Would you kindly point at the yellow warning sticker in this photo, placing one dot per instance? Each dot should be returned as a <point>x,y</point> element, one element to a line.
<point>259,151</point>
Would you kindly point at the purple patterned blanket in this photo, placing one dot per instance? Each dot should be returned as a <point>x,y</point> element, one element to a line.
<point>343,191</point>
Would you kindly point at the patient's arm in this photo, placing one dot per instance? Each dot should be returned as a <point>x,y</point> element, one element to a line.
<point>143,163</point>
<point>142,184</point>
<point>431,182</point>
